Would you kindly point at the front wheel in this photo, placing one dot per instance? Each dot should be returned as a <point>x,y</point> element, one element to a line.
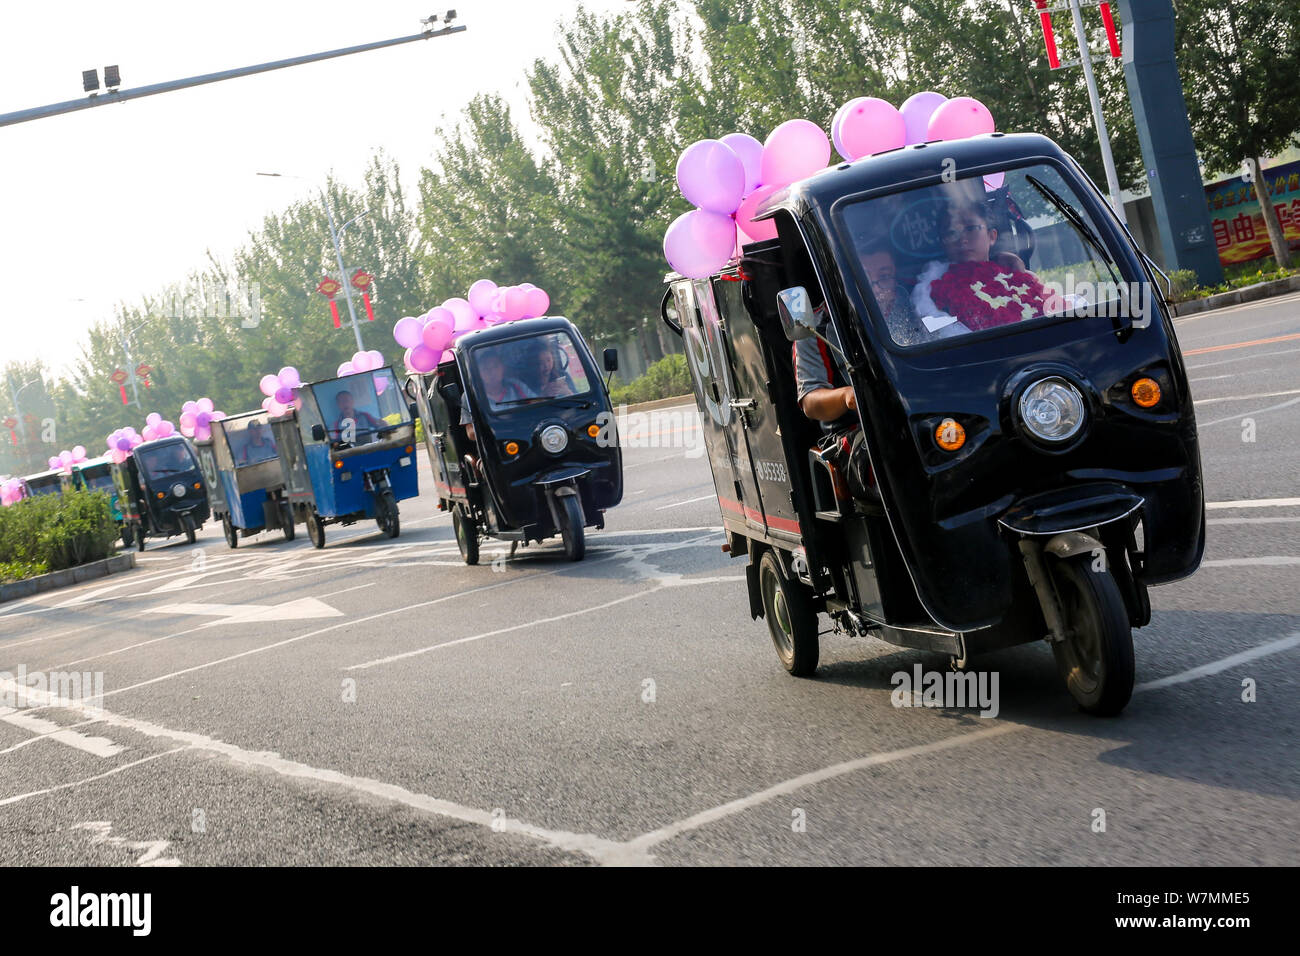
<point>315,529</point>
<point>791,619</point>
<point>138,535</point>
<point>1096,658</point>
<point>571,530</point>
<point>387,516</point>
<point>190,535</point>
<point>286,521</point>
<point>230,531</point>
<point>466,534</point>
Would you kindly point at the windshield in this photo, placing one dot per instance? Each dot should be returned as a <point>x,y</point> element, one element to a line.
<point>249,439</point>
<point>161,461</point>
<point>98,479</point>
<point>960,258</point>
<point>359,409</point>
<point>528,371</point>
<point>44,485</point>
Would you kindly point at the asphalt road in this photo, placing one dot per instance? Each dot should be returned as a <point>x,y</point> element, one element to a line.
<point>380,703</point>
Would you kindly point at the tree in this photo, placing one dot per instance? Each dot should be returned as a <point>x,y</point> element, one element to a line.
<point>1240,63</point>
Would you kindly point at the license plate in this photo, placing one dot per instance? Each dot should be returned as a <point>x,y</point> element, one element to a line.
<point>404,462</point>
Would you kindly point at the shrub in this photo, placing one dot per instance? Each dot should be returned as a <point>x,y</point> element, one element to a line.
<point>54,532</point>
<point>667,378</point>
<point>1182,282</point>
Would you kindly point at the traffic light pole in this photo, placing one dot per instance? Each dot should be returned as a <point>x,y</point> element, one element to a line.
<point>121,96</point>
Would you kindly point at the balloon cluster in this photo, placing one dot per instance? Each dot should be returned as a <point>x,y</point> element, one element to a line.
<point>121,443</point>
<point>11,491</point>
<point>366,362</point>
<point>197,418</point>
<point>427,338</point>
<point>281,391</point>
<point>155,427</point>
<point>64,460</point>
<point>728,179</point>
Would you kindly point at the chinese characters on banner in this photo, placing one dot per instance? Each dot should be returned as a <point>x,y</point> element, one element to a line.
<point>1239,231</point>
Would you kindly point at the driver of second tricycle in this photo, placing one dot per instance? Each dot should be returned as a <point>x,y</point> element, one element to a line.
<point>360,420</point>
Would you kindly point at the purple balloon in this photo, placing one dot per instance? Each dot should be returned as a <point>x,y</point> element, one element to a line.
<point>917,110</point>
<point>711,176</point>
<point>750,152</point>
<point>201,419</point>
<point>282,395</point>
<point>407,332</point>
<point>699,243</point>
<point>124,444</point>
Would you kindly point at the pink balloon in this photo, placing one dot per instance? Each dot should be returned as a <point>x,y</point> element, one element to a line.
<point>267,403</point>
<point>150,433</point>
<point>163,428</point>
<point>711,176</point>
<point>190,406</point>
<point>187,419</point>
<point>407,332</point>
<point>447,356</point>
<point>54,462</point>
<point>204,405</point>
<point>423,359</point>
<point>959,118</point>
<point>79,453</point>
<point>153,418</point>
<point>217,416</point>
<point>289,378</point>
<point>439,314</point>
<point>462,311</point>
<point>437,334</point>
<point>756,231</point>
<point>268,384</point>
<point>699,243</point>
<point>345,369</point>
<point>917,110</point>
<point>835,128</point>
<point>538,303</point>
<point>794,150</point>
<point>750,153</point>
<point>994,181</point>
<point>377,358</point>
<point>870,125</point>
<point>406,360</point>
<point>481,294</point>
<point>360,361</point>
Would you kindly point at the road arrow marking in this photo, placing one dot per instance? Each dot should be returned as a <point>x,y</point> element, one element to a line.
<point>301,609</point>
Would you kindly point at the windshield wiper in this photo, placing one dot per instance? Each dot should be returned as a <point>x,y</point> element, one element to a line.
<point>1072,214</point>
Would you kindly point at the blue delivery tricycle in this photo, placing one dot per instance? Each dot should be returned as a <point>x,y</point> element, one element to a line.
<point>245,483</point>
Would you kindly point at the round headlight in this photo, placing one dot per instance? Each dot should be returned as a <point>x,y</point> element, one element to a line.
<point>554,439</point>
<point>1052,409</point>
<point>178,490</point>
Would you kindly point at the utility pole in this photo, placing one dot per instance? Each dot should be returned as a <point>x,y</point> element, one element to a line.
<point>1107,160</point>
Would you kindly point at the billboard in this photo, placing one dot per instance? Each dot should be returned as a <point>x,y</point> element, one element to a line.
<point>1239,231</point>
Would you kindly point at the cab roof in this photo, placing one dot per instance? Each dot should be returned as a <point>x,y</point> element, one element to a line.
<point>517,329</point>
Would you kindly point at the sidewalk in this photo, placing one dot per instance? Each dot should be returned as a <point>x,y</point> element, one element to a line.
<point>1249,293</point>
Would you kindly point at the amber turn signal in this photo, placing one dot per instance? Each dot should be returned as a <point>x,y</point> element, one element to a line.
<point>160,495</point>
<point>950,436</point>
<point>1146,392</point>
<point>593,430</point>
<point>197,486</point>
<point>338,464</point>
<point>512,448</point>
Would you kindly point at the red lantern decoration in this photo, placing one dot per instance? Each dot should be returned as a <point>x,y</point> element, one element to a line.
<point>142,372</point>
<point>362,281</point>
<point>119,379</point>
<point>330,288</point>
<point>11,423</point>
<point>1111,36</point>
<point>1049,38</point>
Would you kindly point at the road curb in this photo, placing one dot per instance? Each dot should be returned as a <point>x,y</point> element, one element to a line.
<point>1249,293</point>
<point>68,576</point>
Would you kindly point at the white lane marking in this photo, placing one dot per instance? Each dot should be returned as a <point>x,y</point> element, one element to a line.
<point>1250,414</point>
<point>1210,378</point>
<point>1241,358</point>
<point>1253,520</point>
<point>689,501</point>
<point>1243,398</point>
<point>301,609</point>
<point>637,849</point>
<point>501,630</point>
<point>1219,666</point>
<point>18,798</point>
<point>357,587</point>
<point>640,846</point>
<point>101,831</point>
<point>593,846</point>
<point>49,730</point>
<point>1254,503</point>
<point>45,637</point>
<point>1264,561</point>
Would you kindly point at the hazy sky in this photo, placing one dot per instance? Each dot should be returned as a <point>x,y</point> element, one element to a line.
<point>104,205</point>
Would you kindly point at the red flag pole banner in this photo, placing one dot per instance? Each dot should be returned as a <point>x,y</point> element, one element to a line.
<point>334,311</point>
<point>370,313</point>
<point>1049,38</point>
<point>121,389</point>
<point>361,281</point>
<point>1111,35</point>
<point>330,288</point>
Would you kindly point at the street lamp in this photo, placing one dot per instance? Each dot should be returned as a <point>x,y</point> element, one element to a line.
<point>336,236</point>
<point>18,413</point>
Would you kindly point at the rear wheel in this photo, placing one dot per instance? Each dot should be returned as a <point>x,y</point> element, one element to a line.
<point>315,529</point>
<point>137,535</point>
<point>387,516</point>
<point>571,530</point>
<point>791,619</point>
<point>126,535</point>
<point>1096,658</point>
<point>230,531</point>
<point>466,534</point>
<point>286,521</point>
<point>190,534</point>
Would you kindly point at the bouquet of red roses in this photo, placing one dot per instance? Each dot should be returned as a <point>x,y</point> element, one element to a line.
<point>983,295</point>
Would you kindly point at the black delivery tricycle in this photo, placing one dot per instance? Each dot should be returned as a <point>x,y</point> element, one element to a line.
<point>541,461</point>
<point>1022,462</point>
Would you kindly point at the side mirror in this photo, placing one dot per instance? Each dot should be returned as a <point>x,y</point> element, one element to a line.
<point>318,432</point>
<point>797,318</point>
<point>611,360</point>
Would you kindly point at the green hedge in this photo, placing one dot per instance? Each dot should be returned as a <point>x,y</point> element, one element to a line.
<point>667,378</point>
<point>53,532</point>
